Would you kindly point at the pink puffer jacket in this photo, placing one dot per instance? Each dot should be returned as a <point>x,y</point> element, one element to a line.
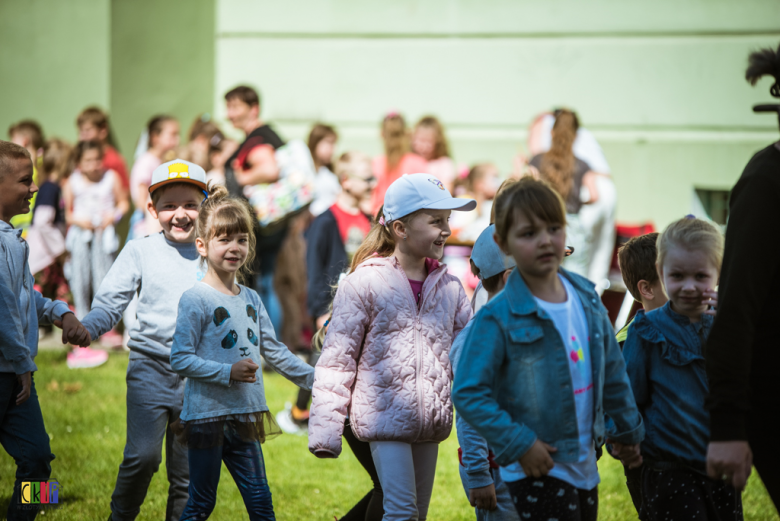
<point>386,363</point>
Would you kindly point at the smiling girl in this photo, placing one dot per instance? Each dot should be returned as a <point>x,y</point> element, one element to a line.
<point>385,362</point>
<point>221,331</point>
<point>665,362</point>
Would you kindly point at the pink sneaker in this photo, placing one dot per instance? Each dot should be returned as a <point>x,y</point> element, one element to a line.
<point>85,357</point>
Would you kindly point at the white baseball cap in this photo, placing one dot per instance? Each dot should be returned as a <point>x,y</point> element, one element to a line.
<point>178,171</point>
<point>488,257</point>
<point>412,192</point>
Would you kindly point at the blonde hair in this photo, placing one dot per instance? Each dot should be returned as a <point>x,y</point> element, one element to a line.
<point>223,215</point>
<point>348,164</point>
<point>441,148</point>
<point>691,234</point>
<point>396,138</point>
<point>379,241</point>
<point>533,198</point>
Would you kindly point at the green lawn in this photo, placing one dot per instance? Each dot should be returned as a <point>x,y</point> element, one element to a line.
<point>85,416</point>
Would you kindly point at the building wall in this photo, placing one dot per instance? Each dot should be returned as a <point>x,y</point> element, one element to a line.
<point>661,84</point>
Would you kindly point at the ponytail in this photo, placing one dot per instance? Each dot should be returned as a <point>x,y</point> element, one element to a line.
<point>557,166</point>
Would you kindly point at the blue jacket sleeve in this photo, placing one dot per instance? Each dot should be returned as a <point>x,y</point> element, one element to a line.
<point>184,359</point>
<point>618,399</point>
<point>484,353</point>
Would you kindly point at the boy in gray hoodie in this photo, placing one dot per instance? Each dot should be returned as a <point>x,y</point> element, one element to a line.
<point>22,432</point>
<point>158,268</point>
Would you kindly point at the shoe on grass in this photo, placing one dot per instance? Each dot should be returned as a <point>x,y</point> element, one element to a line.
<point>85,357</point>
<point>285,421</point>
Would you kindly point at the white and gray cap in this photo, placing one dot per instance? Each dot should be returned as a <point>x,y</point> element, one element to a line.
<point>178,171</point>
<point>488,257</point>
<point>412,192</point>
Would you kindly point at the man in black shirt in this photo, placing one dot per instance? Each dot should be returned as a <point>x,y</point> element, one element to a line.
<point>254,163</point>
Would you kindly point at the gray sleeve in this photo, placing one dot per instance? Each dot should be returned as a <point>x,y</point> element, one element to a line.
<point>12,341</point>
<point>278,356</point>
<point>115,292</point>
<point>184,358</point>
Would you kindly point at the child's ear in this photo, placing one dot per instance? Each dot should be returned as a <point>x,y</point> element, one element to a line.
<point>506,275</point>
<point>645,289</point>
<point>152,209</point>
<point>200,245</point>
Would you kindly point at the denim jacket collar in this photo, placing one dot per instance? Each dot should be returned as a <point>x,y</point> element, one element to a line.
<point>522,302</point>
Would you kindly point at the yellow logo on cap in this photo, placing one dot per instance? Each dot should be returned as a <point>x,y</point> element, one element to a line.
<point>178,170</point>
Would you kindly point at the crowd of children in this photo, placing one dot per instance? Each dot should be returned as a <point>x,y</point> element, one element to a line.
<point>541,384</point>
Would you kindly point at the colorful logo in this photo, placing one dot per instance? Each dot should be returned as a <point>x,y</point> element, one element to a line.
<point>177,170</point>
<point>576,353</point>
<point>40,493</point>
<point>436,182</point>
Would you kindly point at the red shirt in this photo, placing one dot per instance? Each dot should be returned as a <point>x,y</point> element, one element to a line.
<point>112,160</point>
<point>353,228</point>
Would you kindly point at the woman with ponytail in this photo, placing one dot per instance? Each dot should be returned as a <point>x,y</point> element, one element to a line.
<point>566,174</point>
<point>397,159</point>
<point>742,355</point>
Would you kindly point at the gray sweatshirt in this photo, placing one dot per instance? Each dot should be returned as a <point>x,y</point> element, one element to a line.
<point>21,307</point>
<point>214,331</point>
<point>160,271</point>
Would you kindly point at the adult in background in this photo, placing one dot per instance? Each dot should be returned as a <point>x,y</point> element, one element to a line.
<point>743,353</point>
<point>599,216</point>
<point>254,163</point>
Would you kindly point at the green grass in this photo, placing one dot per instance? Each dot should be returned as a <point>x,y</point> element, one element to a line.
<point>85,417</point>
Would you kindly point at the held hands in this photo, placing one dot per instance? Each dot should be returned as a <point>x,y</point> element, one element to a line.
<point>483,498</point>
<point>627,454</point>
<point>25,380</point>
<point>73,331</point>
<point>537,461</point>
<point>711,300</point>
<point>731,461</point>
<point>244,371</point>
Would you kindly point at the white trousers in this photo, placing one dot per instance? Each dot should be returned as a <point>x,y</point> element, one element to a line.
<point>406,472</point>
<point>598,219</point>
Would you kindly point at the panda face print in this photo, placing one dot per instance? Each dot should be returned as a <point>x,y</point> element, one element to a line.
<point>220,315</point>
<point>252,337</point>
<point>230,340</point>
<point>251,312</point>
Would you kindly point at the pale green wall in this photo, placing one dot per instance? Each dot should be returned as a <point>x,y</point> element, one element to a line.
<point>54,61</point>
<point>659,83</point>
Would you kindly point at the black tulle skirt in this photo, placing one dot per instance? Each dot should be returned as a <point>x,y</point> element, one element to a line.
<point>211,432</point>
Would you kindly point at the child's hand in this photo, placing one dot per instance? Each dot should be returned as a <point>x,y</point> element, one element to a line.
<point>484,498</point>
<point>710,299</point>
<point>628,454</point>
<point>537,461</point>
<point>73,331</point>
<point>107,221</point>
<point>25,381</point>
<point>244,371</point>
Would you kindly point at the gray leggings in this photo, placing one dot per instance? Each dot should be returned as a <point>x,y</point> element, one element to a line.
<point>89,264</point>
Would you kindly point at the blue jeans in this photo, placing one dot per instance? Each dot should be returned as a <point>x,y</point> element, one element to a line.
<point>245,462</point>
<point>264,285</point>
<point>24,438</point>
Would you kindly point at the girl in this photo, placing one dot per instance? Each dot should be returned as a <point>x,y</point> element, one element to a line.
<point>93,125</point>
<point>430,143</point>
<point>322,143</point>
<point>664,355</point>
<point>385,361</point>
<point>163,132</point>
<point>481,184</point>
<point>397,159</point>
<point>543,368</point>
<point>567,175</point>
<point>221,329</point>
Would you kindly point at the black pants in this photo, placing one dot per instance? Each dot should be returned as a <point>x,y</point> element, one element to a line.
<point>762,435</point>
<point>370,507</point>
<point>681,493</point>
<point>634,484</point>
<point>550,498</point>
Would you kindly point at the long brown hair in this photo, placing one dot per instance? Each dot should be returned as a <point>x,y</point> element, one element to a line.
<point>557,166</point>
<point>379,241</point>
<point>223,215</point>
<point>155,127</point>
<point>396,138</point>
<point>441,148</point>
<point>319,132</point>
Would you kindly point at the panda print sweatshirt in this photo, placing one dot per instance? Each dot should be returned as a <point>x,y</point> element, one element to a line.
<point>214,331</point>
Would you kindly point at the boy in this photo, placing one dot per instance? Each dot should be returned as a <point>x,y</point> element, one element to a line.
<point>636,259</point>
<point>159,268</point>
<point>331,240</point>
<point>478,472</point>
<point>22,432</point>
<point>93,125</point>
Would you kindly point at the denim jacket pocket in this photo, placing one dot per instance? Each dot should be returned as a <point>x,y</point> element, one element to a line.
<point>525,342</point>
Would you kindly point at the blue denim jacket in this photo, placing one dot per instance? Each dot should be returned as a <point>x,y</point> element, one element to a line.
<point>665,363</point>
<point>513,384</point>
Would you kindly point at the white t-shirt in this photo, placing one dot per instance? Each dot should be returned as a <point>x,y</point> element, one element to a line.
<point>569,319</point>
<point>326,190</point>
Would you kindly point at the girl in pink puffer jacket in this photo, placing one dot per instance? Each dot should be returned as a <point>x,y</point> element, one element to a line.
<point>385,362</point>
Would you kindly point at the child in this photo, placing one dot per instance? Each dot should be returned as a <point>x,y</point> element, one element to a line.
<point>159,269</point>
<point>29,134</point>
<point>543,367</point>
<point>385,361</point>
<point>430,143</point>
<point>481,184</point>
<point>478,471</point>
<point>163,132</point>
<point>322,143</point>
<point>665,362</point>
<point>95,202</point>
<point>396,161</point>
<point>93,125</point>
<point>222,327</point>
<point>21,310</point>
